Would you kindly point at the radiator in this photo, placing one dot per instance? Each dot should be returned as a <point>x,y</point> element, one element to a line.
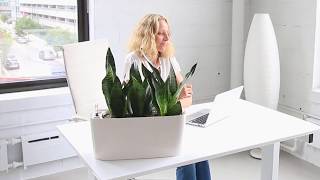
<point>45,147</point>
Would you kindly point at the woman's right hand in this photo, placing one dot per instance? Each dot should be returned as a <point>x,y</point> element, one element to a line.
<point>186,91</point>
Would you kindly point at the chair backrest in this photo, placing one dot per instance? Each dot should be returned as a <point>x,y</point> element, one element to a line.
<point>85,69</point>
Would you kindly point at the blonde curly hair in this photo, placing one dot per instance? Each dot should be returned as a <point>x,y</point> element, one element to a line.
<point>143,38</point>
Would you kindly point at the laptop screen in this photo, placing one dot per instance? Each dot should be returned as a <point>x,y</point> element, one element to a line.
<point>219,109</point>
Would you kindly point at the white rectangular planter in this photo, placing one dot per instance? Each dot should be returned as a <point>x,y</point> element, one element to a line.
<point>137,137</point>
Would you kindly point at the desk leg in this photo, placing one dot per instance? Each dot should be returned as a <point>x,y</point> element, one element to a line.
<point>270,162</point>
<point>91,176</point>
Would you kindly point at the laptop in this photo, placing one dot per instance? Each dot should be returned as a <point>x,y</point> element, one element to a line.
<point>217,110</point>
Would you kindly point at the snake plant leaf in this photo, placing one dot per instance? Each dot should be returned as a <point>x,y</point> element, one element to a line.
<point>162,101</point>
<point>161,94</point>
<point>148,77</point>
<point>175,109</point>
<point>187,77</point>
<point>171,99</point>
<point>156,74</point>
<point>148,106</point>
<point>110,61</point>
<point>126,87</point>
<point>134,72</point>
<point>129,109</point>
<point>191,72</point>
<point>107,83</point>
<point>106,89</point>
<point>174,106</point>
<point>117,100</point>
<point>172,81</point>
<point>145,83</point>
<point>136,96</point>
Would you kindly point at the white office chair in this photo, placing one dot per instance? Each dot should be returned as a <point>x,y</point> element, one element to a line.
<point>85,68</point>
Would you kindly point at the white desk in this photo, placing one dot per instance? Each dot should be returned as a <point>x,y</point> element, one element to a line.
<point>248,127</point>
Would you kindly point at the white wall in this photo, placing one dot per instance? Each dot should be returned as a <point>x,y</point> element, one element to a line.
<point>294,23</point>
<point>201,33</point>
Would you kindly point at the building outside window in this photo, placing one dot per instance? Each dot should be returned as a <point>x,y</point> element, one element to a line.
<point>31,35</point>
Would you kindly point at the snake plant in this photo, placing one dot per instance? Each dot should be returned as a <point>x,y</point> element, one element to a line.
<point>137,98</point>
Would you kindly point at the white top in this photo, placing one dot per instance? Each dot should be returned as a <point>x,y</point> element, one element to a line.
<point>249,126</point>
<point>164,65</point>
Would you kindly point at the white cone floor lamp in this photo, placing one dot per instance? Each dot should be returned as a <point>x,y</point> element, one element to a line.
<point>261,65</point>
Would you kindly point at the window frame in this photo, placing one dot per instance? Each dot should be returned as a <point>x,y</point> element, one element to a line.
<point>83,35</point>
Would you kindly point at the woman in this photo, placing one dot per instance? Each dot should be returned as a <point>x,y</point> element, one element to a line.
<point>150,42</point>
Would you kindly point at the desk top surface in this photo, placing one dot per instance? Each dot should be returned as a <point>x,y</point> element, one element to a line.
<point>249,126</point>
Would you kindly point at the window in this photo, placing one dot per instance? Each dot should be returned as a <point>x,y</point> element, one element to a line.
<point>30,44</point>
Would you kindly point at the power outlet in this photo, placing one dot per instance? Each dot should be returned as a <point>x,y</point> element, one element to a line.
<point>315,140</point>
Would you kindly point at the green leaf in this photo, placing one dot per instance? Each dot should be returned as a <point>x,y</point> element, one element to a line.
<point>172,81</point>
<point>187,77</point>
<point>126,87</point>
<point>156,74</point>
<point>134,72</point>
<point>110,61</point>
<point>171,99</point>
<point>148,77</point>
<point>107,84</point>
<point>145,83</point>
<point>136,96</point>
<point>161,97</point>
<point>117,100</point>
<point>175,109</point>
<point>129,109</point>
<point>148,106</point>
<point>191,72</point>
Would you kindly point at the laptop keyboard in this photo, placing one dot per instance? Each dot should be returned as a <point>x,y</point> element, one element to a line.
<point>201,119</point>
